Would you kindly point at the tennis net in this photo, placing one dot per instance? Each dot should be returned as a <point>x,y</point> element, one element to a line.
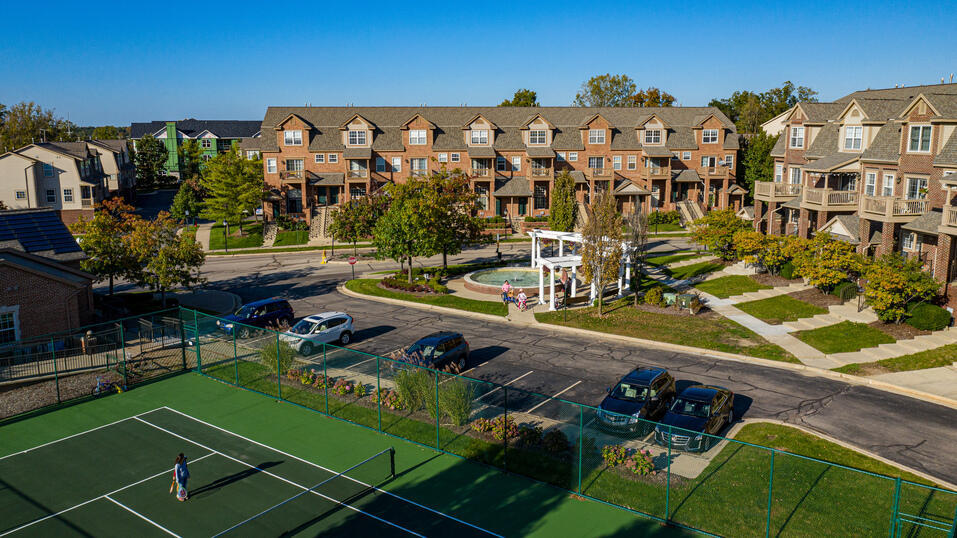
<point>303,512</point>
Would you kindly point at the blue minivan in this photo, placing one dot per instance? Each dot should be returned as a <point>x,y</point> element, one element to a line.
<point>273,313</point>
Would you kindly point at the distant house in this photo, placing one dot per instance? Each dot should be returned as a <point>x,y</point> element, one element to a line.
<point>42,289</point>
<point>215,136</point>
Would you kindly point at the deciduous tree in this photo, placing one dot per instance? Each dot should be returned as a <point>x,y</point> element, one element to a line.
<point>892,281</point>
<point>637,246</point>
<point>716,231</point>
<point>748,110</point>
<point>189,197</point>
<point>401,233</point>
<point>26,123</point>
<point>652,97</point>
<point>191,159</point>
<point>827,261</point>
<point>167,259</point>
<point>150,160</point>
<point>232,185</point>
<point>104,241</point>
<point>601,245</point>
<point>757,161</point>
<point>606,90</point>
<point>356,219</point>
<point>448,207</point>
<point>522,97</point>
<point>564,207</point>
<point>105,132</point>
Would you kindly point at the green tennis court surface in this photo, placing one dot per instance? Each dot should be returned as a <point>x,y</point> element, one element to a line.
<point>104,468</point>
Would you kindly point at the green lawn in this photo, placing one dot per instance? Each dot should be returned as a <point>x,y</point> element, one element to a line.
<point>719,333</point>
<point>666,227</point>
<point>932,358</point>
<point>777,310</point>
<point>369,286</point>
<point>844,336</point>
<point>672,258</point>
<point>693,270</point>
<point>252,236</point>
<point>291,237</point>
<point>729,286</point>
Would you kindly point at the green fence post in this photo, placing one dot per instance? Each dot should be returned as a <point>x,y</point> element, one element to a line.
<point>126,370</point>
<point>378,391</point>
<point>953,528</point>
<point>505,429</point>
<point>182,338</point>
<point>199,357</point>
<point>325,377</point>
<point>56,375</point>
<point>581,441</point>
<point>437,443</point>
<point>235,358</point>
<point>278,370</point>
<point>767,527</point>
<point>897,504</point>
<point>668,481</point>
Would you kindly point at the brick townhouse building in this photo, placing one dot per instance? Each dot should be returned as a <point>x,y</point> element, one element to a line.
<point>876,167</point>
<point>650,158</point>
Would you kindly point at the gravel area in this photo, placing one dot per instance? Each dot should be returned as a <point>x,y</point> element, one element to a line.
<point>16,399</point>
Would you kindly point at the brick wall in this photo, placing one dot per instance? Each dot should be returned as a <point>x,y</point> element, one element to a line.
<point>46,304</point>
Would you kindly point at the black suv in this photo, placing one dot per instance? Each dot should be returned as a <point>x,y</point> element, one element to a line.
<point>644,393</point>
<point>699,408</point>
<point>439,350</point>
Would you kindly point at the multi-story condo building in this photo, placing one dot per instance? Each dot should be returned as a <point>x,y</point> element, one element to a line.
<point>69,177</point>
<point>214,136</point>
<point>117,167</point>
<point>650,158</point>
<point>876,167</point>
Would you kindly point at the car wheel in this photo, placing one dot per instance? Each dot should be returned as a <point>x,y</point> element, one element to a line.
<point>243,332</point>
<point>305,348</point>
<point>730,418</point>
<point>345,337</point>
<point>461,365</point>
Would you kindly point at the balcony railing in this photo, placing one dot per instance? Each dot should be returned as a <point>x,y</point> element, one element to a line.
<point>600,172</point>
<point>482,172</point>
<point>768,191</point>
<point>892,208</point>
<point>291,174</point>
<point>358,173</point>
<point>950,217</point>
<point>86,202</point>
<point>829,198</point>
<point>541,172</point>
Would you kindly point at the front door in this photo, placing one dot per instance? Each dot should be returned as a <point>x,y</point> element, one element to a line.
<point>916,188</point>
<point>522,206</point>
<point>498,207</point>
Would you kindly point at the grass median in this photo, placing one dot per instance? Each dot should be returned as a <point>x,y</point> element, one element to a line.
<point>844,337</point>
<point>370,286</point>
<point>777,310</point>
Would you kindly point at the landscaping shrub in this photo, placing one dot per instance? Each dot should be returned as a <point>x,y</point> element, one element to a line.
<point>389,399</point>
<point>638,462</point>
<point>787,270</point>
<point>396,284</point>
<point>928,317</point>
<point>892,282</point>
<point>555,441</point>
<point>536,219</point>
<point>846,287</point>
<point>716,231</point>
<point>664,217</point>
<point>498,427</point>
<point>655,296</point>
<point>343,386</point>
<point>360,390</point>
<point>288,224</point>
<point>529,436</point>
<point>613,455</point>
<point>455,400</point>
<point>272,356</point>
<point>416,389</point>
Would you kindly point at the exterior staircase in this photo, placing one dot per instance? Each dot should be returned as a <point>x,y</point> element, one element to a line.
<point>270,229</point>
<point>318,228</point>
<point>901,347</point>
<point>584,213</point>
<point>689,211</point>
<point>768,293</point>
<point>836,314</point>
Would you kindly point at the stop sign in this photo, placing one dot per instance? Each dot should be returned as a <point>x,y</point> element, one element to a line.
<point>352,260</point>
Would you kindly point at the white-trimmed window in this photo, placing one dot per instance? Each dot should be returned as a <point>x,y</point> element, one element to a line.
<point>709,162</point>
<point>379,164</point>
<point>396,164</point>
<point>596,163</point>
<point>480,136</point>
<point>536,137</point>
<point>652,136</point>
<point>419,165</point>
<point>51,196</point>
<point>616,162</point>
<point>207,143</point>
<point>517,164</point>
<point>443,157</point>
<point>632,162</point>
<point>709,136</point>
<point>292,138</point>
<point>294,165</point>
<point>271,166</point>
<point>455,158</point>
<point>320,158</point>
<point>357,138</point>
<point>500,164</point>
<point>67,195</point>
<point>252,155</point>
<point>596,136</point>
<point>919,139</point>
<point>417,137</point>
<point>47,170</point>
<point>797,136</point>
<point>916,188</point>
<point>853,136</point>
<point>560,156</point>
<point>9,324</point>
<point>795,176</point>
<point>686,156</point>
<point>888,185</point>
<point>333,158</point>
<point>729,160</point>
<point>573,156</point>
<point>908,240</point>
<point>778,173</point>
<point>870,183</point>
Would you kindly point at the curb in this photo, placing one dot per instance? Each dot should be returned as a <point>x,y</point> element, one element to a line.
<point>803,368</point>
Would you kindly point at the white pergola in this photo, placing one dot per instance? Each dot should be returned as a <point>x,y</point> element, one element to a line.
<point>572,262</point>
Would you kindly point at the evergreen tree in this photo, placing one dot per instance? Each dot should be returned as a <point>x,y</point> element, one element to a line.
<point>150,160</point>
<point>188,198</point>
<point>232,185</point>
<point>190,159</point>
<point>564,207</point>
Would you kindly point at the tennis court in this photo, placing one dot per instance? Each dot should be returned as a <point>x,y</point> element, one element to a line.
<point>115,480</point>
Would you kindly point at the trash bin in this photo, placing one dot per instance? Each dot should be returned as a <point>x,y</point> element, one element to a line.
<point>669,298</point>
<point>685,300</point>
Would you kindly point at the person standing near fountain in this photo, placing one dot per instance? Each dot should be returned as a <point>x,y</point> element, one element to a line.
<point>506,292</point>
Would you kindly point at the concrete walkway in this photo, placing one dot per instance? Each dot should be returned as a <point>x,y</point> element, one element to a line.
<point>942,381</point>
<point>203,231</point>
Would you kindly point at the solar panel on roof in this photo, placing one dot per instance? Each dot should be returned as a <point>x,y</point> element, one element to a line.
<point>38,231</point>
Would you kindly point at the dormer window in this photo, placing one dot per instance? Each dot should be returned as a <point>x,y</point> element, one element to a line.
<point>292,138</point>
<point>417,137</point>
<point>596,136</point>
<point>797,137</point>
<point>919,139</point>
<point>536,137</point>
<point>480,136</point>
<point>709,136</point>
<point>853,135</point>
<point>652,136</point>
<point>357,138</point>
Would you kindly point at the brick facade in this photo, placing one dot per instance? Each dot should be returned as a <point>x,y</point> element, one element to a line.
<point>43,304</point>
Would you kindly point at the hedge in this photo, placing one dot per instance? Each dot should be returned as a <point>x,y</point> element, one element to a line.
<point>928,317</point>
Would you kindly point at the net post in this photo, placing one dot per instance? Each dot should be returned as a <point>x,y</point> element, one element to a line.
<point>56,375</point>
<point>199,358</point>
<point>897,502</point>
<point>235,358</point>
<point>392,460</point>
<point>668,481</point>
<point>581,442</point>
<point>378,394</point>
<point>182,336</point>
<point>325,377</point>
<point>278,370</point>
<point>767,527</point>
<point>437,443</point>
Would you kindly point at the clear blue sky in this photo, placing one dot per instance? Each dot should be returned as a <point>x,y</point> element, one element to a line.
<point>117,62</point>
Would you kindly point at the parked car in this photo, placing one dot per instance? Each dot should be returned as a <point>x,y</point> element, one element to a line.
<point>272,313</point>
<point>313,331</point>
<point>439,350</point>
<point>644,393</point>
<point>702,409</point>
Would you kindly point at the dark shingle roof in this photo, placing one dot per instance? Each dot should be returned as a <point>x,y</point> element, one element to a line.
<point>191,128</point>
<point>779,148</point>
<point>821,112</point>
<point>328,179</point>
<point>540,152</point>
<point>825,143</point>
<point>357,153</point>
<point>578,176</point>
<point>250,143</point>
<point>732,141</point>
<point>927,223</point>
<point>681,138</point>
<point>886,144</point>
<point>47,266</point>
<point>516,186</point>
<point>906,93</point>
<point>117,146</point>
<point>626,186</point>
<point>481,152</point>
<point>656,151</point>
<point>40,232</point>
<point>686,176</point>
<point>78,150</point>
<point>948,153</point>
<point>831,162</point>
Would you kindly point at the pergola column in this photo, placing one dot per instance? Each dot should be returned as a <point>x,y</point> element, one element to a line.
<point>534,241</point>
<point>551,286</point>
<point>628,272</point>
<point>561,247</point>
<point>621,278</point>
<point>574,280</point>
<point>541,283</point>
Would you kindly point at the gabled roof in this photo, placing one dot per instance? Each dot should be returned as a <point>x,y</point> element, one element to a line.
<point>626,186</point>
<point>921,97</point>
<point>345,124</point>
<point>592,118</point>
<point>927,223</point>
<point>76,150</point>
<point>578,176</point>
<point>886,145</point>
<point>472,120</point>
<point>706,118</point>
<point>832,162</point>
<point>114,145</point>
<point>686,176</point>
<point>516,186</point>
<point>817,112</point>
<point>191,127</point>
<point>405,125</point>
<point>534,117</point>
<point>282,122</point>
<point>848,228</point>
<point>40,232</point>
<point>825,143</point>
<point>15,154</point>
<point>664,123</point>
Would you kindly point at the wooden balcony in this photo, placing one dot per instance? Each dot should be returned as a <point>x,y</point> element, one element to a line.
<point>829,200</point>
<point>291,175</point>
<point>359,173</point>
<point>603,173</point>
<point>543,173</point>
<point>479,172</point>
<point>767,191</point>
<point>891,208</point>
<point>948,221</point>
<point>656,172</point>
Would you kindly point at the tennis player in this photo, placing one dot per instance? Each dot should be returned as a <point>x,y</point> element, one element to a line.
<point>181,475</point>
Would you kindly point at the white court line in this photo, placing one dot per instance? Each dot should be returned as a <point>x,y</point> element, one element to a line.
<point>503,385</point>
<point>141,516</point>
<point>44,518</point>
<point>300,486</point>
<point>316,465</point>
<point>556,395</point>
<point>76,434</point>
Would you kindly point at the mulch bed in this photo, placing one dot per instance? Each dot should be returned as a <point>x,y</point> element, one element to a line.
<point>773,280</point>
<point>901,331</point>
<point>412,293</point>
<point>816,298</point>
<point>672,311</point>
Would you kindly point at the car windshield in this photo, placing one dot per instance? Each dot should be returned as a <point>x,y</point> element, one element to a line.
<point>245,312</point>
<point>691,408</point>
<point>303,327</point>
<point>630,393</point>
<point>420,350</point>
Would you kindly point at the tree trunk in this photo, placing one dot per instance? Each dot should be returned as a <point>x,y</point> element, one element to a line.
<point>111,284</point>
<point>445,260</point>
<point>354,251</point>
<point>163,297</point>
<point>410,269</point>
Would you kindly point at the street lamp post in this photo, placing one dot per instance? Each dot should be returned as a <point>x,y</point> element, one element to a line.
<point>187,219</point>
<point>226,236</point>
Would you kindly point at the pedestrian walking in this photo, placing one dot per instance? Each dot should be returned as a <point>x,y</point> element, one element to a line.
<point>180,476</point>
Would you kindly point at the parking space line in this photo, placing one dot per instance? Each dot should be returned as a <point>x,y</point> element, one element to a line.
<point>556,395</point>
<point>358,363</point>
<point>503,385</point>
